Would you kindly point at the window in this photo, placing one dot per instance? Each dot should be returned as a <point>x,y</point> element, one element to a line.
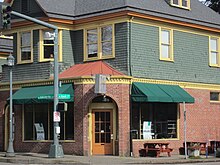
<point>181,3</point>
<point>38,122</point>
<point>214,96</point>
<point>47,45</point>
<point>161,119</point>
<point>99,43</point>
<point>25,6</point>
<point>214,51</point>
<point>25,54</point>
<point>166,45</point>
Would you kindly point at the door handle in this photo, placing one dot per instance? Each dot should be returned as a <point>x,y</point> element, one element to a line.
<point>102,144</point>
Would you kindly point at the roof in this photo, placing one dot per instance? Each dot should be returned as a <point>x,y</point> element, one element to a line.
<point>77,9</point>
<point>89,69</point>
<point>6,45</point>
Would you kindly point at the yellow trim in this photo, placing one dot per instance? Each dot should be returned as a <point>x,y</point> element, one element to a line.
<point>215,51</point>
<point>102,106</point>
<point>180,4</point>
<point>99,43</point>
<point>6,37</point>
<point>41,49</point>
<point>170,45</point>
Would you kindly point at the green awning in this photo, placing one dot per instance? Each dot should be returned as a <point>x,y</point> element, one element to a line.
<point>146,92</point>
<point>42,94</point>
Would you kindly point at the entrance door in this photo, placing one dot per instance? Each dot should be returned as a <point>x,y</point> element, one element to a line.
<point>102,143</point>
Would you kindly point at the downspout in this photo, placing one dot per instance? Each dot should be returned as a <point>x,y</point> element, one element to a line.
<point>130,31</point>
<point>130,74</point>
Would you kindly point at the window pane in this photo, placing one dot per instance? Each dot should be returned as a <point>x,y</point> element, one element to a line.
<point>69,122</point>
<point>49,51</point>
<point>25,39</point>
<point>92,50</point>
<point>92,38</point>
<point>106,48</point>
<point>176,2</point>
<point>214,96</point>
<point>165,51</point>
<point>48,35</point>
<point>184,3</point>
<point>28,122</point>
<point>165,38</point>
<point>214,44</point>
<point>214,57</point>
<point>41,117</point>
<point>107,33</point>
<point>26,53</point>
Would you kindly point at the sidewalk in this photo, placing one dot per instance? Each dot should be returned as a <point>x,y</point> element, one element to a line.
<point>35,158</point>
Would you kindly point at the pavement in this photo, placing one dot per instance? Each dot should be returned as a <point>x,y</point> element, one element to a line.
<point>36,158</point>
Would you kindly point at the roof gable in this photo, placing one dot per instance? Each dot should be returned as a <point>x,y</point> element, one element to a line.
<point>89,69</point>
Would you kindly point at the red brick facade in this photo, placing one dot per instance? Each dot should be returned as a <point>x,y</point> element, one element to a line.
<point>203,120</point>
<point>83,97</point>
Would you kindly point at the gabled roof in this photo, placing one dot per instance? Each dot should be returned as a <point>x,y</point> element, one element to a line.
<point>77,9</point>
<point>89,69</point>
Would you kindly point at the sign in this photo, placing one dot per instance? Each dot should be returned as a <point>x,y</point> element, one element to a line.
<point>56,116</point>
<point>147,130</point>
<point>40,131</point>
<point>60,96</point>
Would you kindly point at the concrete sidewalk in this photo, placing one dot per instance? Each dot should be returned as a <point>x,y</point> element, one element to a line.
<point>35,158</point>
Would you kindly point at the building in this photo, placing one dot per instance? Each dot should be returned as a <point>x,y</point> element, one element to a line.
<point>153,58</point>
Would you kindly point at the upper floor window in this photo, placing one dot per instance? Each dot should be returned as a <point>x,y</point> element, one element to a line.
<point>99,42</point>
<point>166,50</point>
<point>214,51</point>
<point>25,47</point>
<point>181,3</point>
<point>47,45</point>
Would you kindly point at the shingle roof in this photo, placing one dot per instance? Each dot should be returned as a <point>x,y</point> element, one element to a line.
<point>6,45</point>
<point>89,69</point>
<point>76,9</point>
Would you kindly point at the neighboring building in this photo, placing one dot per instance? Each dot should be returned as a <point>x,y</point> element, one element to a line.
<point>158,57</point>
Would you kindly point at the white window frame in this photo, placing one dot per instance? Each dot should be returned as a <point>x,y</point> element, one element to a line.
<point>41,39</point>
<point>169,45</point>
<point>19,46</point>
<point>217,51</point>
<point>180,4</point>
<point>99,43</point>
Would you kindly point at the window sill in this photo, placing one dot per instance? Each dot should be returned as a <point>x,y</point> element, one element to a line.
<point>214,66</point>
<point>214,102</point>
<point>46,141</point>
<point>96,58</point>
<point>155,139</point>
<point>168,60</point>
<point>24,62</point>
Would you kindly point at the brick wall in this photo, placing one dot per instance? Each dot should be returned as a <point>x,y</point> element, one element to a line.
<point>120,94</point>
<point>203,120</point>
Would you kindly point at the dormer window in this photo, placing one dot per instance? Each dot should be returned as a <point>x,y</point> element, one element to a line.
<point>181,3</point>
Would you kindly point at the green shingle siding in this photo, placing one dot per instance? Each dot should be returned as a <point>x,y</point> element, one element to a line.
<point>191,56</point>
<point>36,52</point>
<point>67,47</point>
<point>77,41</point>
<point>120,62</point>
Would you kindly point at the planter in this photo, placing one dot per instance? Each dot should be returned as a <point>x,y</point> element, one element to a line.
<point>194,151</point>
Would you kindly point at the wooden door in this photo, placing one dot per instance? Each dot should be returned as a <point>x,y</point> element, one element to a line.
<point>102,129</point>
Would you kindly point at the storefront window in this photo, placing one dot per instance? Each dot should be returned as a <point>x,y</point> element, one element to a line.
<point>154,120</point>
<point>38,122</point>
